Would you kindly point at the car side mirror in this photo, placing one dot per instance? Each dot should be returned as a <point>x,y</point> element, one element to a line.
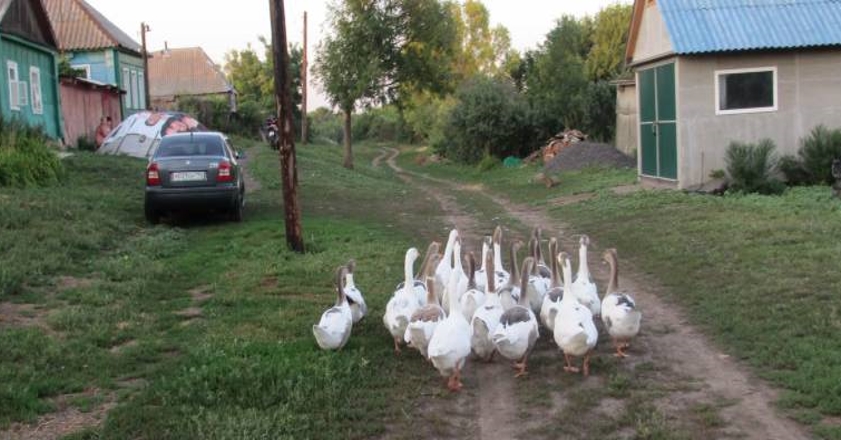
<point>239,154</point>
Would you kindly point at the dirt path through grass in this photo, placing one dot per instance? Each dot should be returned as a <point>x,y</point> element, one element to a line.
<point>707,393</point>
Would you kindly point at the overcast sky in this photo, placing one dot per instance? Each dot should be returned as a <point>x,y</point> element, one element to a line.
<point>221,26</point>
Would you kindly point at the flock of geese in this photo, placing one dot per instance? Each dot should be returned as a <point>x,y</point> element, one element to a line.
<point>449,311</point>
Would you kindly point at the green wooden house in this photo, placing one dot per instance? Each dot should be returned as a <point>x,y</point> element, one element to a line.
<point>29,83</point>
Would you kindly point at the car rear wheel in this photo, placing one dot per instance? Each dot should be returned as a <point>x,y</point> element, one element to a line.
<point>238,208</point>
<point>152,215</point>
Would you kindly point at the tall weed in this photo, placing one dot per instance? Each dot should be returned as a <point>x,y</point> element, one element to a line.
<point>25,157</point>
<point>817,151</point>
<point>752,167</point>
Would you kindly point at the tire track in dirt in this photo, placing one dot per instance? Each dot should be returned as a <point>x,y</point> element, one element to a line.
<point>677,344</point>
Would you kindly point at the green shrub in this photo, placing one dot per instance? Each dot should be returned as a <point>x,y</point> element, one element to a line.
<point>752,167</point>
<point>377,124</point>
<point>817,152</point>
<point>25,157</point>
<point>488,119</point>
<point>488,163</point>
<point>792,169</point>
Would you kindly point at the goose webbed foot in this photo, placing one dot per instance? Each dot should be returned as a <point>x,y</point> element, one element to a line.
<point>568,365</point>
<point>521,368</point>
<point>587,364</point>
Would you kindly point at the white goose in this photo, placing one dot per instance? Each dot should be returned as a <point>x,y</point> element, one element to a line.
<point>619,313</point>
<point>486,317</point>
<point>575,333</point>
<point>510,293</point>
<point>423,322</point>
<point>333,329</point>
<point>552,299</point>
<point>517,332</point>
<point>502,275</point>
<point>540,265</point>
<point>354,295</point>
<point>537,286</point>
<point>481,274</point>
<point>473,298</point>
<point>450,343</point>
<point>583,287</point>
<point>403,302</point>
<point>445,266</point>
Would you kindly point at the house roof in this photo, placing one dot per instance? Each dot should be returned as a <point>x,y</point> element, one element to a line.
<point>703,26</point>
<point>46,36</point>
<point>185,71</point>
<point>78,26</point>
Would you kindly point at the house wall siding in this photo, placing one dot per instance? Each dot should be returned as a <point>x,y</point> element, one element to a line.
<point>102,66</point>
<point>132,64</point>
<point>653,38</point>
<point>27,56</point>
<point>809,93</point>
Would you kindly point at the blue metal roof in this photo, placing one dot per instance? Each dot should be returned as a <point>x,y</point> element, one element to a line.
<point>698,26</point>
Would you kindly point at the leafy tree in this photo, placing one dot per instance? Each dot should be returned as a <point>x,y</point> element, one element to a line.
<point>481,49</point>
<point>555,83</point>
<point>381,51</point>
<point>606,59</point>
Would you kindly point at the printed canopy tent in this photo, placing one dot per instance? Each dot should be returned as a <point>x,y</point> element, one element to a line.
<point>139,134</point>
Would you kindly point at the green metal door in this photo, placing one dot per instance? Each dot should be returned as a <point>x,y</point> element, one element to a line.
<point>658,122</point>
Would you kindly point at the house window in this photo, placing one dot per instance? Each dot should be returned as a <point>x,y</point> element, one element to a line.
<point>35,89</point>
<point>86,68</point>
<point>14,89</point>
<point>127,86</point>
<point>135,99</point>
<point>746,90</point>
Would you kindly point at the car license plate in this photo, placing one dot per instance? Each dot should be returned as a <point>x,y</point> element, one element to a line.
<point>189,176</point>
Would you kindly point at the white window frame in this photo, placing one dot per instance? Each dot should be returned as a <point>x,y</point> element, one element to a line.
<point>14,89</point>
<point>718,77</point>
<point>23,94</point>
<point>127,86</point>
<point>35,90</point>
<point>85,67</point>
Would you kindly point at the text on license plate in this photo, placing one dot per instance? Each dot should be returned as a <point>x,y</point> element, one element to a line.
<point>188,176</point>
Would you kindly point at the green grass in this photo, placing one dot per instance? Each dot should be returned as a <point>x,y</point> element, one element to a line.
<point>520,181</point>
<point>248,367</point>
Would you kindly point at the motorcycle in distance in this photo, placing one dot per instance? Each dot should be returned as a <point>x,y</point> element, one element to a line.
<point>272,133</point>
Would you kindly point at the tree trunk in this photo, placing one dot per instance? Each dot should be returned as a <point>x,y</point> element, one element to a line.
<point>347,141</point>
<point>288,163</point>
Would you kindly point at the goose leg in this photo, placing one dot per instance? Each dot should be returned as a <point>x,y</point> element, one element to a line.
<point>587,364</point>
<point>396,346</point>
<point>568,367</point>
<point>620,353</point>
<point>521,368</point>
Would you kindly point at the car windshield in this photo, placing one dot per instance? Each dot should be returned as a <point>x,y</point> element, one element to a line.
<point>204,146</point>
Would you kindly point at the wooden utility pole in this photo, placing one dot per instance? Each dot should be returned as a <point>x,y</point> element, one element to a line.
<point>304,67</point>
<point>288,163</point>
<point>147,97</point>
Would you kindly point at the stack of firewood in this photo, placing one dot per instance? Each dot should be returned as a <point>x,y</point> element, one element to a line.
<point>556,144</point>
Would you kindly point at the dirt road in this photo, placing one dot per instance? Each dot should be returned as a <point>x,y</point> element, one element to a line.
<point>676,381</point>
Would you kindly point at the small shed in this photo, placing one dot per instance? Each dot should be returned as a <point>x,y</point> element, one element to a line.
<point>715,71</point>
<point>626,116</point>
<point>83,103</point>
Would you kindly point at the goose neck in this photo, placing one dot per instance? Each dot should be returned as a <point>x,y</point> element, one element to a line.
<point>408,275</point>
<point>583,268</point>
<point>613,284</point>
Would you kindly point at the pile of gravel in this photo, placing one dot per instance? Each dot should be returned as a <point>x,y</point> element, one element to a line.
<point>588,154</point>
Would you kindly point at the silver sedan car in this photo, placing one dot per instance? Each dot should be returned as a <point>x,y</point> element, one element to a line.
<point>194,171</point>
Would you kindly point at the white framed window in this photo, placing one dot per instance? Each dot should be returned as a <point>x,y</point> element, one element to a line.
<point>134,92</point>
<point>83,67</point>
<point>14,89</point>
<point>23,94</point>
<point>751,90</point>
<point>35,89</point>
<point>127,86</point>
